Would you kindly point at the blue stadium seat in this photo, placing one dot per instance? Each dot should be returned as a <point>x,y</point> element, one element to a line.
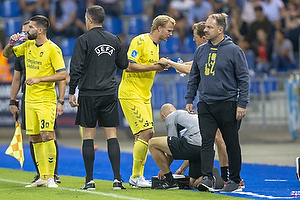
<point>158,95</point>
<point>67,45</point>
<point>135,26</point>
<point>189,46</point>
<point>133,7</point>
<point>10,9</point>
<point>12,26</point>
<point>181,92</point>
<point>113,25</point>
<point>170,46</point>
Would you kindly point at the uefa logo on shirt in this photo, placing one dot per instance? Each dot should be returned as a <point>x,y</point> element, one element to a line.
<point>104,48</point>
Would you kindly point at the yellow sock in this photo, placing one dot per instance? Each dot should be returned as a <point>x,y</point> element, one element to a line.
<point>139,158</point>
<point>50,152</point>
<point>39,152</point>
<point>143,166</point>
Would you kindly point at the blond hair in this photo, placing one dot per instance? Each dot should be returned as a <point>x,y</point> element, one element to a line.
<point>161,20</point>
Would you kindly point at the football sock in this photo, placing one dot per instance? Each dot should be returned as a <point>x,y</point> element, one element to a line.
<point>88,154</point>
<point>56,163</point>
<point>143,166</point>
<point>225,173</point>
<point>113,150</point>
<point>50,151</point>
<point>169,177</point>
<point>40,158</point>
<point>33,157</point>
<point>139,157</point>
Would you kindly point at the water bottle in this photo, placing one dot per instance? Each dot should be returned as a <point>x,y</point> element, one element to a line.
<point>179,60</point>
<point>21,38</point>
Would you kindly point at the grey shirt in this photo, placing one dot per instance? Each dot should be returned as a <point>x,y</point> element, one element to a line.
<point>182,124</point>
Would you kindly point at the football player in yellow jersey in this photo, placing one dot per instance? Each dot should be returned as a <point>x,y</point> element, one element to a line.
<point>44,66</point>
<point>135,94</point>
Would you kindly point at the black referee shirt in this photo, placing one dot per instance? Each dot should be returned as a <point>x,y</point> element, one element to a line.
<point>96,56</point>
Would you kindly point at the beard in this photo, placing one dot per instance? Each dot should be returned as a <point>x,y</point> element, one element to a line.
<point>32,36</point>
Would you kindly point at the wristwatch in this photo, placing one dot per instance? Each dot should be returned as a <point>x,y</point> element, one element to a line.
<point>61,102</point>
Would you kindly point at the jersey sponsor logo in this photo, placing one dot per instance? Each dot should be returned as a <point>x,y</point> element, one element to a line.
<point>151,61</point>
<point>104,48</point>
<point>33,64</point>
<point>134,53</point>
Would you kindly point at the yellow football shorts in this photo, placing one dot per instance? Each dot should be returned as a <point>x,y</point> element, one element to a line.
<point>138,114</point>
<point>39,117</point>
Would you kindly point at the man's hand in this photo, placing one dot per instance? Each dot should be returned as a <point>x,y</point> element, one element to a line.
<point>189,108</point>
<point>240,113</point>
<point>163,61</point>
<point>32,81</point>
<point>15,111</point>
<point>72,100</point>
<point>161,175</point>
<point>59,109</point>
<point>160,67</point>
<point>180,171</point>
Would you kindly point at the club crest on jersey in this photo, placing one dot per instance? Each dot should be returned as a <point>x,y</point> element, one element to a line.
<point>104,48</point>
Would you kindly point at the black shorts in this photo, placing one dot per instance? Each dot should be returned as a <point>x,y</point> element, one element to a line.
<point>22,113</point>
<point>182,150</point>
<point>101,108</point>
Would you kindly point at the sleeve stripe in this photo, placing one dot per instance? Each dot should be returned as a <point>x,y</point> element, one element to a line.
<point>131,61</point>
<point>63,69</point>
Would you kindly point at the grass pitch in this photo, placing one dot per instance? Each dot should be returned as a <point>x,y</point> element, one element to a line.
<point>13,183</point>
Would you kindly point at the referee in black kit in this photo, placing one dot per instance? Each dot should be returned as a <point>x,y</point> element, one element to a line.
<point>97,55</point>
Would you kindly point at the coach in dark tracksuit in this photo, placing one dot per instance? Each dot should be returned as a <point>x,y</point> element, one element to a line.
<point>97,55</point>
<point>220,73</point>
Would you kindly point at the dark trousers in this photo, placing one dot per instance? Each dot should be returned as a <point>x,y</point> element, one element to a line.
<point>220,115</point>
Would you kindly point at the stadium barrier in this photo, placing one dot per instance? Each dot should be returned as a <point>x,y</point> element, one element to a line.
<point>273,102</point>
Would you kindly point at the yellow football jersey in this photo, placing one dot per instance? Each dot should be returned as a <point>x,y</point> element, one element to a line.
<point>43,60</point>
<point>144,51</point>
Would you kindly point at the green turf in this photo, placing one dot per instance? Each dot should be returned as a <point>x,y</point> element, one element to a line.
<point>12,184</point>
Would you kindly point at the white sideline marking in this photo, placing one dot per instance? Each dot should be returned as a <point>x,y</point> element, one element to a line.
<point>263,196</point>
<point>275,180</point>
<point>77,190</point>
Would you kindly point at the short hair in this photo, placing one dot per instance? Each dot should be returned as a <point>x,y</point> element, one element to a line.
<point>26,22</point>
<point>161,20</point>
<point>97,14</point>
<point>221,19</point>
<point>166,109</point>
<point>41,21</point>
<point>200,26</point>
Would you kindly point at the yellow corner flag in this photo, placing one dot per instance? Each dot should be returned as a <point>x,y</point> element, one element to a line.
<point>15,148</point>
